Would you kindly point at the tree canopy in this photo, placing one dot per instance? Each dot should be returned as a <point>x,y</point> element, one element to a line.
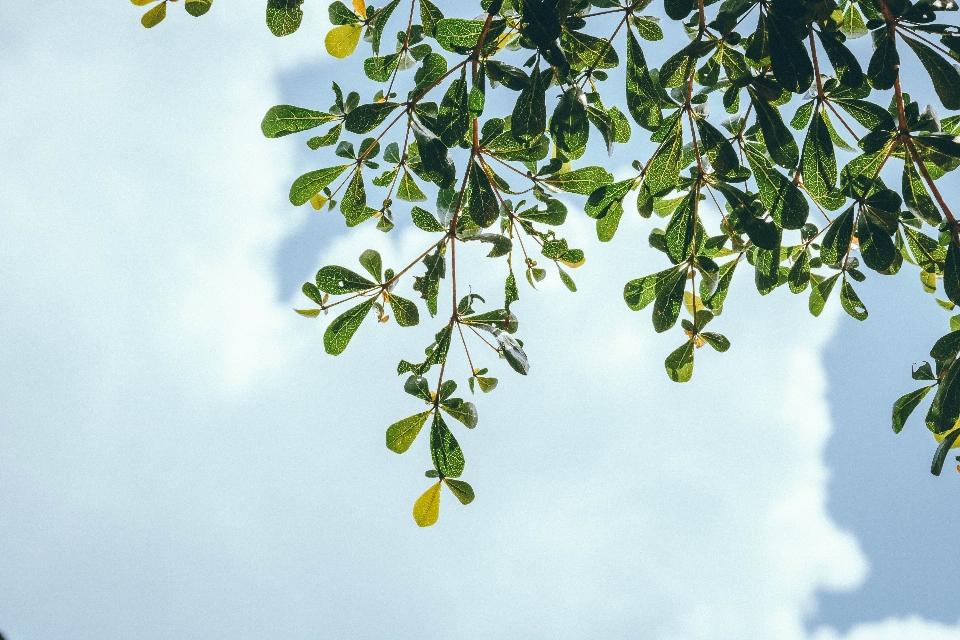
<point>739,189</point>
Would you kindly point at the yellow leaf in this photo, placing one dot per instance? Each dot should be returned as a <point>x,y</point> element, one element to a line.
<point>574,265</point>
<point>360,8</point>
<point>141,3</point>
<point>688,301</point>
<point>154,16</point>
<point>941,436</point>
<point>426,509</point>
<point>343,40</point>
<point>318,201</point>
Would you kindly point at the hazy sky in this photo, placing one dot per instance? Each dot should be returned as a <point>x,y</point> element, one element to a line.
<point>179,458</point>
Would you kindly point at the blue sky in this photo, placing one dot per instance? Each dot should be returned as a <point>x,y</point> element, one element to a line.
<point>178,457</point>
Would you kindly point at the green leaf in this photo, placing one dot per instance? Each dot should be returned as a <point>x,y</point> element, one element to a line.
<point>717,148</point>
<point>555,214</point>
<point>353,205</point>
<point>819,163</point>
<point>667,162</point>
<point>339,280</point>
<point>465,412</point>
<point>197,8</point>
<point>429,284</point>
<point>679,364</point>
<point>584,51</point>
<point>567,280</point>
<point>453,119</point>
<point>837,239</point>
<point>643,98</point>
<point>820,292</point>
<point>941,454</point>
<point>608,224</point>
<point>851,302</point>
<point>529,117</point>
<point>583,181</point>
<point>409,190</point>
<point>373,263</point>
<point>457,35</point>
<point>885,62</point>
<point>945,77</point>
<point>844,62</point>
<point>380,69</point>
<point>669,299</point>
<point>430,15</point>
<point>326,139</point>
<point>310,184</point>
<point>905,405</point>
<point>426,510</point>
<point>715,302</point>
<point>368,117</point>
<point>876,245</point>
<point>484,206</point>
<point>401,434</point>
<point>641,292</point>
<point>418,387</point>
<point>779,195</point>
<point>381,18</point>
<point>799,276</point>
<point>462,490</point>
<point>682,228</point>
<point>716,340</point>
<point>340,14</point>
<point>405,311</point>
<point>284,16</point>
<point>444,449</point>
<point>569,126</point>
<point>679,9</point>
<point>870,115</point>
<point>341,330</point>
<point>285,119</point>
<point>788,57</point>
<point>916,197</point>
<point>154,16</point>
<point>853,24</point>
<point>426,220</point>
<point>780,143</point>
<point>951,274</point>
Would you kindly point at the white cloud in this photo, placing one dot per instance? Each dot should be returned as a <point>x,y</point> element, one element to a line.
<point>182,458</point>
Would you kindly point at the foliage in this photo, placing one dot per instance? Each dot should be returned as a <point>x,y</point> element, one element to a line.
<point>739,188</point>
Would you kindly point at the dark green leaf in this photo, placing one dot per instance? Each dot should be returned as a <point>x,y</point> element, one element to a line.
<point>885,62</point>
